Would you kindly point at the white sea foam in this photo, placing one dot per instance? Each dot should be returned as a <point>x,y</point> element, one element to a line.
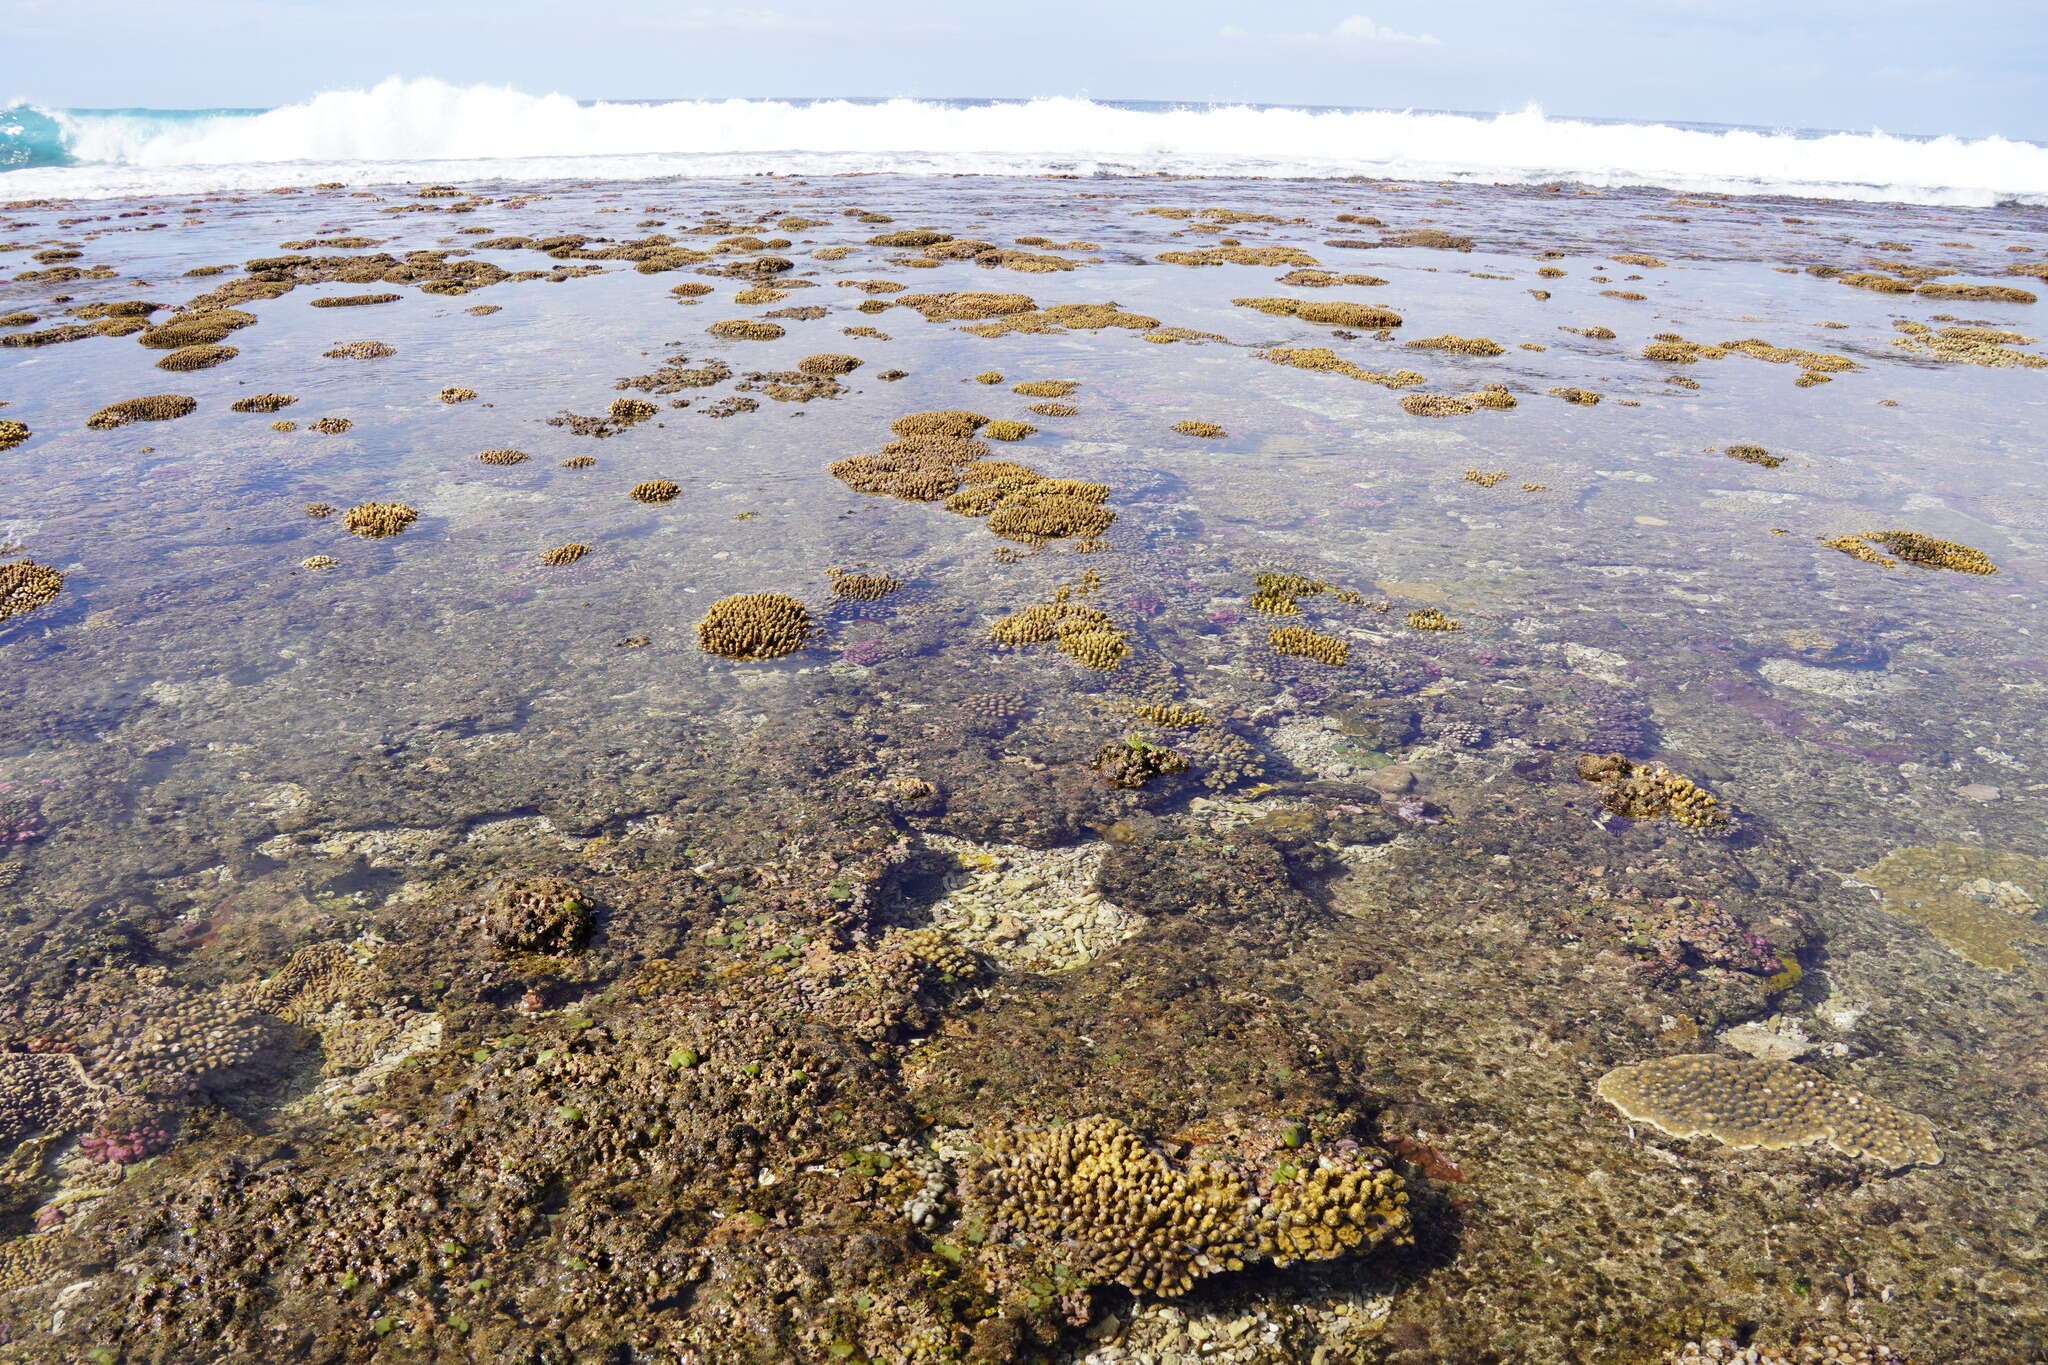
<point>425,129</point>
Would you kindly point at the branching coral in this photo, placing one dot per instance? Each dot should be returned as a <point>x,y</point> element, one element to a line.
<point>27,587</point>
<point>753,626</point>
<point>1309,644</point>
<point>376,520</point>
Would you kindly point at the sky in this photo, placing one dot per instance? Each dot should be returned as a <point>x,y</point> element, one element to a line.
<point>1969,67</point>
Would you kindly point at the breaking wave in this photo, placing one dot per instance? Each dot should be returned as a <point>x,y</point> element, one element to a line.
<point>426,129</point>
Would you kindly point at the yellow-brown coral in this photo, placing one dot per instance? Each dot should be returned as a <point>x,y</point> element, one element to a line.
<point>655,490</point>
<point>155,407</point>
<point>503,457</point>
<point>1651,791</point>
<point>1767,1104</point>
<point>564,554</point>
<point>1977,901</point>
<point>1308,644</point>
<point>25,587</point>
<point>1431,618</point>
<point>754,625</point>
<point>375,520</point>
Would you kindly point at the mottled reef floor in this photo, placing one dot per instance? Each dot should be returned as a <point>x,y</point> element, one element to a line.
<point>1100,771</point>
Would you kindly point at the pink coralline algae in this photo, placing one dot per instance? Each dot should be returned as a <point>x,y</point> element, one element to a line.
<point>1146,604</point>
<point>865,653</point>
<point>1688,934</point>
<point>1226,616</point>
<point>20,823</point>
<point>121,1148</point>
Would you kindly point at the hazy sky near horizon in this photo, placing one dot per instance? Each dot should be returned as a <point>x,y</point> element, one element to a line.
<point>1971,67</point>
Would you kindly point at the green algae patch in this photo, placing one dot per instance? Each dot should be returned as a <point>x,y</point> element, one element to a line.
<point>1980,903</point>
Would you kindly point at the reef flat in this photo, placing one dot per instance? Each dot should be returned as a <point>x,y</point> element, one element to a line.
<point>1110,771</point>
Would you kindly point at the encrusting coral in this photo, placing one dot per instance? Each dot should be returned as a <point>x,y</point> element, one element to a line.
<point>1769,1104</point>
<point>858,587</point>
<point>1194,427</point>
<point>564,554</point>
<point>1330,312</point>
<point>1108,1206</point>
<point>197,357</point>
<point>754,625</point>
<point>503,457</point>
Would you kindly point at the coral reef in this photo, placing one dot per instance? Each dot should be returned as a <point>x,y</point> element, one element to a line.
<point>655,491</point>
<point>1309,644</point>
<point>564,554</point>
<point>754,625</point>
<point>537,915</point>
<point>828,364</point>
<point>155,407</point>
<point>12,433</point>
<point>503,457</point>
<point>1767,1104</point>
<point>1193,427</point>
<point>746,329</point>
<point>360,350</point>
<point>1431,618</point>
<point>262,402</point>
<point>456,395</point>
<point>332,426</point>
<point>1131,763</point>
<point>197,357</point>
<point>1651,791</point>
<point>856,587</point>
<point>1369,317</point>
<point>1112,1210</point>
<point>1933,553</point>
<point>26,586</point>
<point>375,520</point>
<point>201,328</point>
<point>1754,455</point>
<point>1323,359</point>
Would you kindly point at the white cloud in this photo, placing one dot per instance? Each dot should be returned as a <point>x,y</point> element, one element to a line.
<point>1358,29</point>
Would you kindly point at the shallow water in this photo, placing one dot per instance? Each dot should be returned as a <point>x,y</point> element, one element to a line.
<point>212,757</point>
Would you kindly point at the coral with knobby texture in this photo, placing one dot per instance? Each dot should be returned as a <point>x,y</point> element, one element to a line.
<point>1431,618</point>
<point>953,423</point>
<point>1754,455</point>
<point>1240,255</point>
<point>655,490</point>
<point>1976,293</point>
<point>1485,479</point>
<point>911,237</point>
<point>376,520</point>
<point>1769,1104</point>
<point>355,300</point>
<point>503,457</point>
<point>331,426</point>
<point>1988,346</point>
<point>197,357</point>
<point>1485,346</point>
<point>201,328</point>
<point>360,350</point>
<point>1329,312</point>
<point>1033,518</point>
<point>1325,360</point>
<point>1045,388</point>
<point>1196,427</point>
<point>1651,791</point>
<point>26,587</point>
<point>1856,548</point>
<point>1304,643</point>
<point>746,329</point>
<point>1052,407</point>
<point>319,562</point>
<point>858,587</point>
<point>1436,405</point>
<point>1583,397</point>
<point>828,364</point>
<point>1004,429</point>
<point>12,433</point>
<point>262,402</point>
<point>754,625</point>
<point>1933,553</point>
<point>564,554</point>
<point>1099,1199</point>
<point>43,1091</point>
<point>155,407</point>
<point>175,1044</point>
<point>1131,763</point>
<point>537,915</point>
<point>456,395</point>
